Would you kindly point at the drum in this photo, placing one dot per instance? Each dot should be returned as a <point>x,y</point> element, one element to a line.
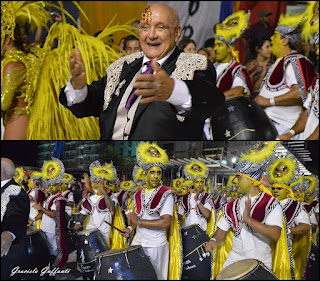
<point>130,263</point>
<point>197,263</point>
<point>74,218</point>
<point>89,243</point>
<point>241,118</point>
<point>38,252</point>
<point>248,269</point>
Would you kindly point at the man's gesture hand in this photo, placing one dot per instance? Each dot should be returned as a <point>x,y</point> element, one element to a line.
<point>78,71</point>
<point>157,87</point>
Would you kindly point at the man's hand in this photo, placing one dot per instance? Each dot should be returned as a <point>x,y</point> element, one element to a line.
<point>286,136</point>
<point>77,226</point>
<point>199,190</point>
<point>6,241</point>
<point>262,101</point>
<point>132,217</point>
<point>30,222</point>
<point>210,245</point>
<point>127,232</point>
<point>37,206</point>
<point>78,71</point>
<point>157,87</point>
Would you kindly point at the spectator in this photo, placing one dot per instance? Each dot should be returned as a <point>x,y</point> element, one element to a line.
<point>205,52</point>
<point>187,45</point>
<point>209,45</point>
<point>131,44</point>
<point>77,194</point>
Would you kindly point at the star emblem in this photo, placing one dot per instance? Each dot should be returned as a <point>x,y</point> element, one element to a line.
<point>186,233</point>
<point>231,108</point>
<point>194,237</point>
<point>86,241</point>
<point>227,134</point>
<point>110,269</point>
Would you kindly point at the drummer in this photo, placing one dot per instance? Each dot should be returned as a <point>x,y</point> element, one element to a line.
<point>98,205</point>
<point>154,209</point>
<point>66,181</point>
<point>232,77</point>
<point>254,226</point>
<point>197,205</point>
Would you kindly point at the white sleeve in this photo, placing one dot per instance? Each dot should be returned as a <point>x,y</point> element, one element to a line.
<point>32,193</point>
<point>275,217</point>
<point>180,210</point>
<point>307,101</point>
<point>222,224</point>
<point>84,211</point>
<point>313,218</point>
<point>303,217</point>
<point>237,81</point>
<point>290,76</point>
<point>208,206</point>
<point>180,96</point>
<point>75,96</point>
<point>167,208</point>
<point>70,197</point>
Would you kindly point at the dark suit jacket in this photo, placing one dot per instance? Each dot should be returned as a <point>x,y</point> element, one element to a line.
<point>156,120</point>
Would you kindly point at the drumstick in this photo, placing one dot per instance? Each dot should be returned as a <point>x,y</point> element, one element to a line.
<point>115,227</point>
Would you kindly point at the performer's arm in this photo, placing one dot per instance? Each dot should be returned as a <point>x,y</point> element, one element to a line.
<point>217,237</point>
<point>234,92</point>
<point>38,207</point>
<point>301,228</point>
<point>204,211</point>
<point>314,135</point>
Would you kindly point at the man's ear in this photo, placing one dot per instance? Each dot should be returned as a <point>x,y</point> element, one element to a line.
<point>285,41</point>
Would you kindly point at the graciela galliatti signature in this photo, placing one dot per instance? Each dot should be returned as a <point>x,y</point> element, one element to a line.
<point>45,270</point>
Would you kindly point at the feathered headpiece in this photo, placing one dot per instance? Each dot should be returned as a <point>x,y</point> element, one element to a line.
<point>18,177</point>
<point>301,183</point>
<point>313,183</point>
<point>289,27</point>
<point>284,170</point>
<point>310,25</point>
<point>128,185</point>
<point>36,175</point>
<point>232,27</point>
<point>150,154</point>
<point>19,13</point>
<point>230,183</point>
<point>52,172</point>
<point>195,170</point>
<point>177,184</point>
<point>67,178</point>
<point>106,172</point>
<point>253,163</point>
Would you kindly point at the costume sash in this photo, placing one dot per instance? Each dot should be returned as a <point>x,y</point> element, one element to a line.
<point>310,206</point>
<point>291,210</point>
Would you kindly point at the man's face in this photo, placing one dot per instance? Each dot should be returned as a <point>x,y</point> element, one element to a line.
<point>132,47</point>
<point>31,183</point>
<point>299,195</point>
<point>64,187</point>
<point>243,183</point>
<point>198,183</point>
<point>159,35</point>
<point>154,177</point>
<point>279,192</point>
<point>277,47</point>
<point>308,197</point>
<point>221,52</point>
<point>53,189</point>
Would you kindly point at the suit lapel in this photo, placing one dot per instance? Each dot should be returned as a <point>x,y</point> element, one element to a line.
<point>169,66</point>
<point>10,182</point>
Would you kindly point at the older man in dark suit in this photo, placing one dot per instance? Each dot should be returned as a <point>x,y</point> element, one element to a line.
<point>172,93</point>
<point>15,209</point>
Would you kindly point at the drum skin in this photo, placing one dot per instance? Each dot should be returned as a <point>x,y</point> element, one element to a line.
<point>196,261</point>
<point>88,244</point>
<point>241,118</point>
<point>247,269</point>
<point>38,252</point>
<point>131,263</point>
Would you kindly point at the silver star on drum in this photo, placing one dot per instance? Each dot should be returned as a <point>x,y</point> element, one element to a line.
<point>86,241</point>
<point>186,233</point>
<point>110,269</point>
<point>194,237</point>
<point>231,108</point>
<point>227,133</point>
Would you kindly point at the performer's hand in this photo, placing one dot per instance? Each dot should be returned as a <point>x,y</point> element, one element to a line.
<point>77,226</point>
<point>132,217</point>
<point>199,190</point>
<point>157,87</point>
<point>210,245</point>
<point>78,71</point>
<point>30,222</point>
<point>262,101</point>
<point>37,206</point>
<point>127,232</point>
<point>103,190</point>
<point>6,241</point>
<point>246,212</point>
<point>286,136</point>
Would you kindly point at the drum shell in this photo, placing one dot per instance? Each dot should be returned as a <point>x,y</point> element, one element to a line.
<point>127,264</point>
<point>233,272</point>
<point>38,252</point>
<point>88,245</point>
<point>238,114</point>
<point>75,217</point>
<point>194,237</point>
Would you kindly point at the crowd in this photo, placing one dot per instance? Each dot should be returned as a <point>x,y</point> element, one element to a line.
<point>191,230</point>
<point>157,85</point>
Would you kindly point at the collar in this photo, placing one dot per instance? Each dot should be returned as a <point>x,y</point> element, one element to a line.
<point>161,61</point>
<point>4,182</point>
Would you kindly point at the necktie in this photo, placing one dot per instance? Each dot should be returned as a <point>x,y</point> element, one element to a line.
<point>132,96</point>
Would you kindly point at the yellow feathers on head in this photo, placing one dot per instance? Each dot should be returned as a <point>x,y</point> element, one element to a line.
<point>127,185</point>
<point>311,21</point>
<point>177,184</point>
<point>138,174</point>
<point>150,154</point>
<point>260,153</point>
<point>301,183</point>
<point>98,172</point>
<point>195,170</point>
<point>36,175</point>
<point>313,183</point>
<point>18,177</point>
<point>232,27</point>
<point>52,172</point>
<point>67,178</point>
<point>283,170</point>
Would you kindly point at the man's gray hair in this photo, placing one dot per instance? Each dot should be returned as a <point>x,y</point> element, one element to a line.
<point>8,166</point>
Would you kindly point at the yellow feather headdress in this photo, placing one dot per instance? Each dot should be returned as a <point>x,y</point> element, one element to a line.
<point>52,172</point>
<point>98,172</point>
<point>67,178</point>
<point>127,185</point>
<point>177,184</point>
<point>138,174</point>
<point>150,154</point>
<point>313,183</point>
<point>195,170</point>
<point>311,21</point>
<point>232,27</point>
<point>18,177</point>
<point>301,183</point>
<point>36,175</point>
<point>276,174</point>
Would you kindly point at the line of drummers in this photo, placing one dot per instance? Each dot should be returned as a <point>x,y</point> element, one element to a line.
<point>141,229</point>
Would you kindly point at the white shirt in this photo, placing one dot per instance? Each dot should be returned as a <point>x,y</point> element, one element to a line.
<point>70,198</point>
<point>252,245</point>
<point>48,224</point>
<point>192,217</point>
<point>33,212</point>
<point>147,237</point>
